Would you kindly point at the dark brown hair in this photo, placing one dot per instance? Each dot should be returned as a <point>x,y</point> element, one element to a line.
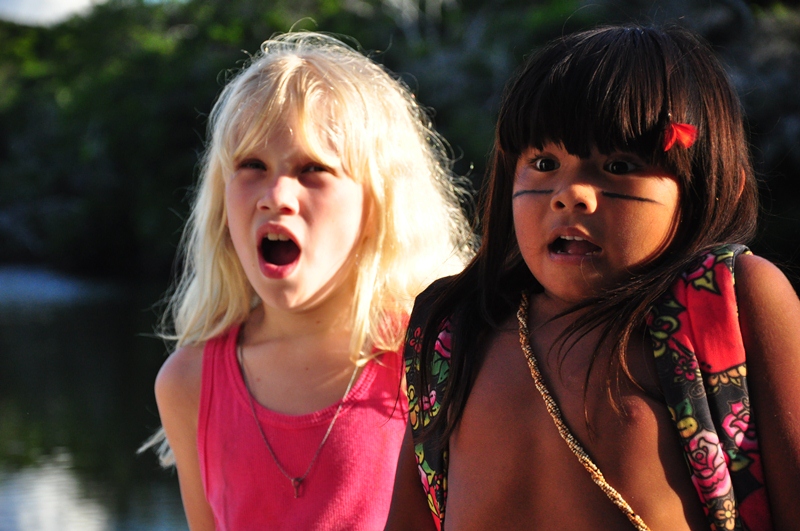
<point>613,88</point>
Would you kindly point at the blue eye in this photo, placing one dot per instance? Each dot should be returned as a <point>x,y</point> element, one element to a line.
<point>251,164</point>
<point>545,164</point>
<point>314,168</point>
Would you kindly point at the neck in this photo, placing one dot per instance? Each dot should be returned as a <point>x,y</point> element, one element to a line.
<point>306,333</point>
<point>547,328</point>
<point>544,310</point>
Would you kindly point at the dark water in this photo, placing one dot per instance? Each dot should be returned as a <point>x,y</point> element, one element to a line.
<point>77,363</point>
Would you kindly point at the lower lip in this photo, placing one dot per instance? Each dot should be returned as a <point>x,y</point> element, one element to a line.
<point>572,259</point>
<point>276,272</point>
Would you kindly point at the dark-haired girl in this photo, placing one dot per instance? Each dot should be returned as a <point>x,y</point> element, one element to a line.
<point>595,367</point>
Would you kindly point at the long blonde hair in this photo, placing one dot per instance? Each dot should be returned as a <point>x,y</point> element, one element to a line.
<point>385,140</point>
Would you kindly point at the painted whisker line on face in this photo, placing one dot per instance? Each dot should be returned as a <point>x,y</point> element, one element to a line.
<point>611,195</point>
<point>585,223</point>
<point>614,195</point>
<point>526,192</point>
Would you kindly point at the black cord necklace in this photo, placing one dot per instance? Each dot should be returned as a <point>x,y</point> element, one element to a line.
<point>295,481</point>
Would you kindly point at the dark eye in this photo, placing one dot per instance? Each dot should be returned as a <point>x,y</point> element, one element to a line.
<point>620,167</point>
<point>545,164</point>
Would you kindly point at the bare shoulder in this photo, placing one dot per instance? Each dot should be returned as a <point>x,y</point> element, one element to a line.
<point>178,382</point>
<point>758,279</point>
<point>769,314</point>
<point>178,397</point>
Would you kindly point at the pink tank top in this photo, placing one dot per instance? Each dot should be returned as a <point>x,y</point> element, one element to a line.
<point>349,486</point>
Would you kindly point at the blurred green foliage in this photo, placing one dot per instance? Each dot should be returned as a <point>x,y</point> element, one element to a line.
<point>102,117</point>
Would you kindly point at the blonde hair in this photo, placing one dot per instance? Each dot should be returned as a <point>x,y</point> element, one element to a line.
<point>337,97</point>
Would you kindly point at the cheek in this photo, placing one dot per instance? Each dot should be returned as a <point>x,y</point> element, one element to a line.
<point>669,219</point>
<point>519,226</point>
<point>232,202</point>
<point>527,231</point>
<point>652,234</point>
<point>343,218</point>
<point>236,221</point>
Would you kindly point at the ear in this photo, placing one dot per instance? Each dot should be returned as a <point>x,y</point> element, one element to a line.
<point>742,180</point>
<point>368,214</point>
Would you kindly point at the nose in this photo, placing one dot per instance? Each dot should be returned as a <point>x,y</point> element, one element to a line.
<point>280,195</point>
<point>575,196</point>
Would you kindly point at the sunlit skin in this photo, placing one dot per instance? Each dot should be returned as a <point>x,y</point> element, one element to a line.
<point>584,225</point>
<point>508,466</point>
<point>296,222</point>
<point>280,192</point>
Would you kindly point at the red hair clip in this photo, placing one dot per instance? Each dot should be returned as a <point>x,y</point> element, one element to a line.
<point>682,134</point>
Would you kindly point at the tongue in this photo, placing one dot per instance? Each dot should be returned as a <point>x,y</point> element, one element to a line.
<point>280,252</point>
<point>578,247</point>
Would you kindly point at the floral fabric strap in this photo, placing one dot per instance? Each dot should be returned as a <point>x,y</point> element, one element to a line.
<point>424,404</point>
<point>700,359</point>
<point>701,365</point>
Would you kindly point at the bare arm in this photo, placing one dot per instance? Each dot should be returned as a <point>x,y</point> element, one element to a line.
<point>769,315</point>
<point>409,509</point>
<point>178,398</point>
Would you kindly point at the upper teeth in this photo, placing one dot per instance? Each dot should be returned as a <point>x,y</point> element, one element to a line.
<point>271,236</point>
<point>575,238</point>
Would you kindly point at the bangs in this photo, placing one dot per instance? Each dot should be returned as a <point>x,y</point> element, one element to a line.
<point>569,97</point>
<point>293,100</point>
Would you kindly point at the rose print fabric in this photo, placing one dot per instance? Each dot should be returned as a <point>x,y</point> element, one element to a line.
<point>700,360</point>
<point>424,405</point>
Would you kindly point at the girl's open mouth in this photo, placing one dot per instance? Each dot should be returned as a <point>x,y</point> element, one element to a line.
<point>279,250</point>
<point>573,245</point>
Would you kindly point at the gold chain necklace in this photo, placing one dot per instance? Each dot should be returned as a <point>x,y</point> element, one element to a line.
<point>563,430</point>
<point>295,481</point>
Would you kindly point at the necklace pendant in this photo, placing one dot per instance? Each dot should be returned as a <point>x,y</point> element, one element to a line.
<point>296,483</point>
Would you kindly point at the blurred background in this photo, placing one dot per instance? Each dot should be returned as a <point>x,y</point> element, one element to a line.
<point>103,110</point>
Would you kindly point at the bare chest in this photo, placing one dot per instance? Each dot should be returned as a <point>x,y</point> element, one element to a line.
<point>510,468</point>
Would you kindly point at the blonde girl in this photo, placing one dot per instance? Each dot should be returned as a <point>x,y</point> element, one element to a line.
<point>324,206</point>
<point>595,366</point>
